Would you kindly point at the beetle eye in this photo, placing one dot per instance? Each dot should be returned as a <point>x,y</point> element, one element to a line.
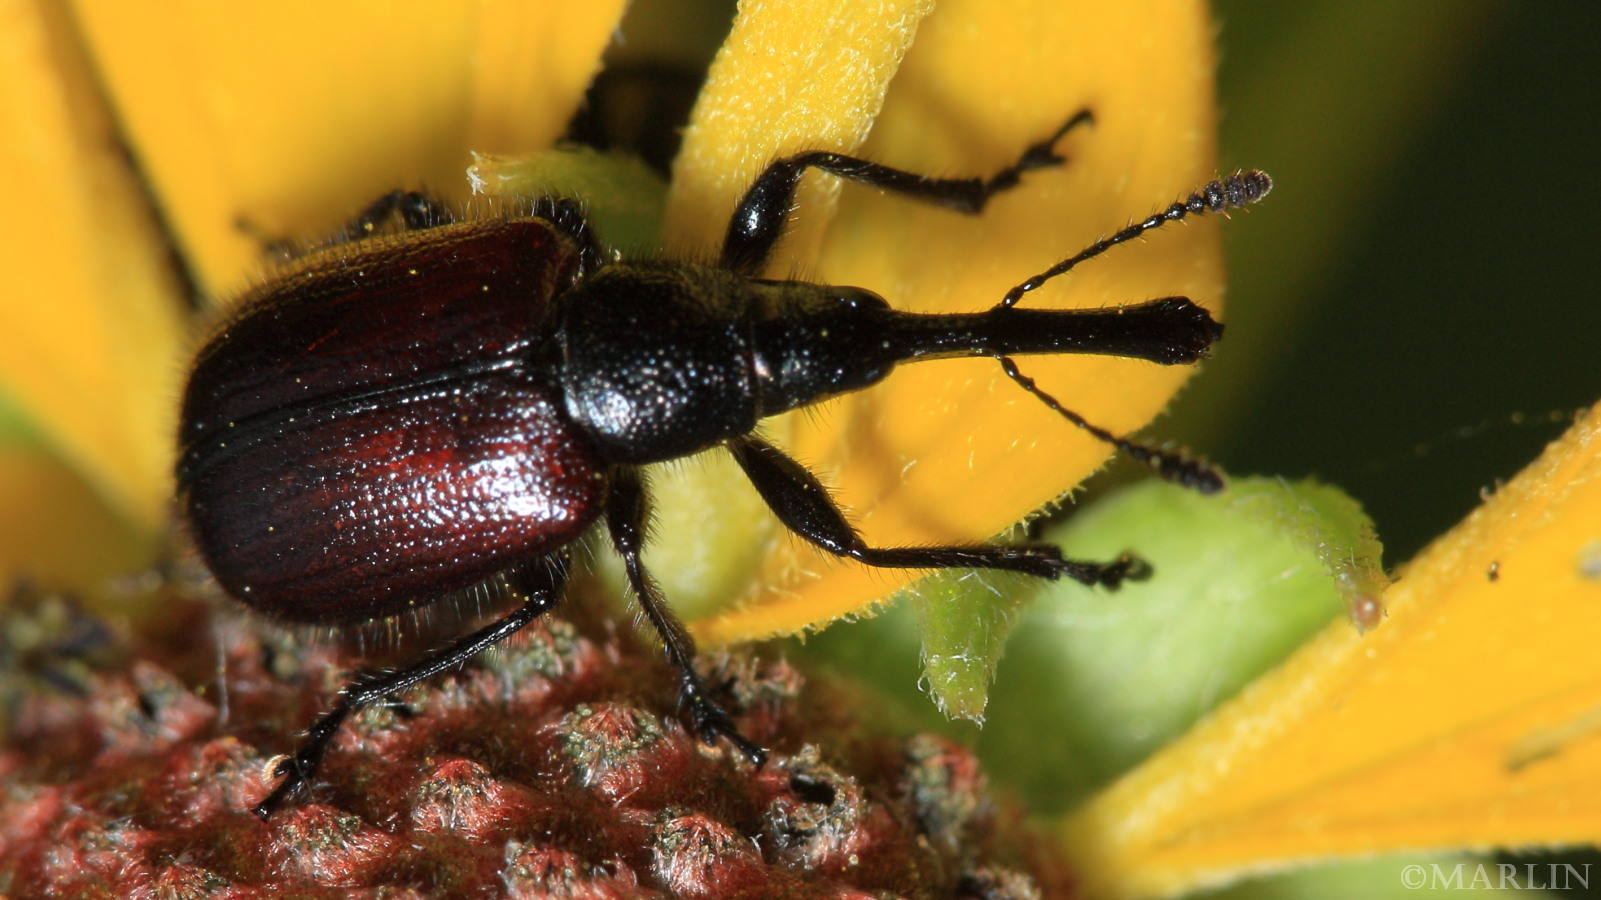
<point>860,298</point>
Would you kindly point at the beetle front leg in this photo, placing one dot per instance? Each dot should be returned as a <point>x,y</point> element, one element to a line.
<point>804,506</point>
<point>763,211</point>
<point>626,513</point>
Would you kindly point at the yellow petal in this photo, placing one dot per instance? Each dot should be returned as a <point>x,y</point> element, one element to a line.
<point>56,532</point>
<point>248,120</point>
<point>89,323</point>
<point>1470,718</point>
<point>287,116</point>
<point>790,77</point>
<point>951,451</point>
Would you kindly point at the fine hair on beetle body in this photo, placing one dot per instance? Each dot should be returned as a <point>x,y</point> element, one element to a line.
<point>435,408</point>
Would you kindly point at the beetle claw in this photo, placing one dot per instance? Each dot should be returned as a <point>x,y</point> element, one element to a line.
<point>1127,567</point>
<point>711,723</point>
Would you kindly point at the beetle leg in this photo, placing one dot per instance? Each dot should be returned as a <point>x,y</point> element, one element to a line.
<point>568,215</point>
<point>417,211</point>
<point>763,211</point>
<point>804,506</point>
<point>626,512</point>
<point>542,585</point>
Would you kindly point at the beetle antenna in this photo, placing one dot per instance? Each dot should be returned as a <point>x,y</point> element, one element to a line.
<point>1174,467</point>
<point>1233,192</point>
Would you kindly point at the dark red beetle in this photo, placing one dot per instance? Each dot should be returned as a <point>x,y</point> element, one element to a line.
<point>393,420</point>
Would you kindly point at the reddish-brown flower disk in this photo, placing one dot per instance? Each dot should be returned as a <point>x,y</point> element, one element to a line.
<point>554,767</point>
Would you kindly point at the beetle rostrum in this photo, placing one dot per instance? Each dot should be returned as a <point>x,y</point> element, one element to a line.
<point>398,418</point>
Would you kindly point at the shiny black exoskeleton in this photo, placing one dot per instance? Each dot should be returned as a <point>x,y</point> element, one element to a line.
<point>395,419</point>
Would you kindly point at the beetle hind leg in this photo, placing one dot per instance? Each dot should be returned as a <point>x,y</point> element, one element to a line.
<point>542,586</point>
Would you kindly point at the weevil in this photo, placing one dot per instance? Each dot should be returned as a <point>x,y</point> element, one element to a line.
<point>395,419</point>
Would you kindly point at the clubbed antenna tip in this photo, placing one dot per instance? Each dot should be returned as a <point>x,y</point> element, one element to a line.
<point>1222,195</point>
<point>1237,190</point>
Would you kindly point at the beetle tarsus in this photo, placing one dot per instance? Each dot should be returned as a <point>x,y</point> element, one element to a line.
<point>712,722</point>
<point>1127,567</point>
<point>1042,155</point>
<point>296,772</point>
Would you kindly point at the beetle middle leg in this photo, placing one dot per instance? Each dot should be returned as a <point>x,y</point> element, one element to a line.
<point>759,219</point>
<point>804,506</point>
<point>540,583</point>
<point>415,209</point>
<point>626,513</point>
